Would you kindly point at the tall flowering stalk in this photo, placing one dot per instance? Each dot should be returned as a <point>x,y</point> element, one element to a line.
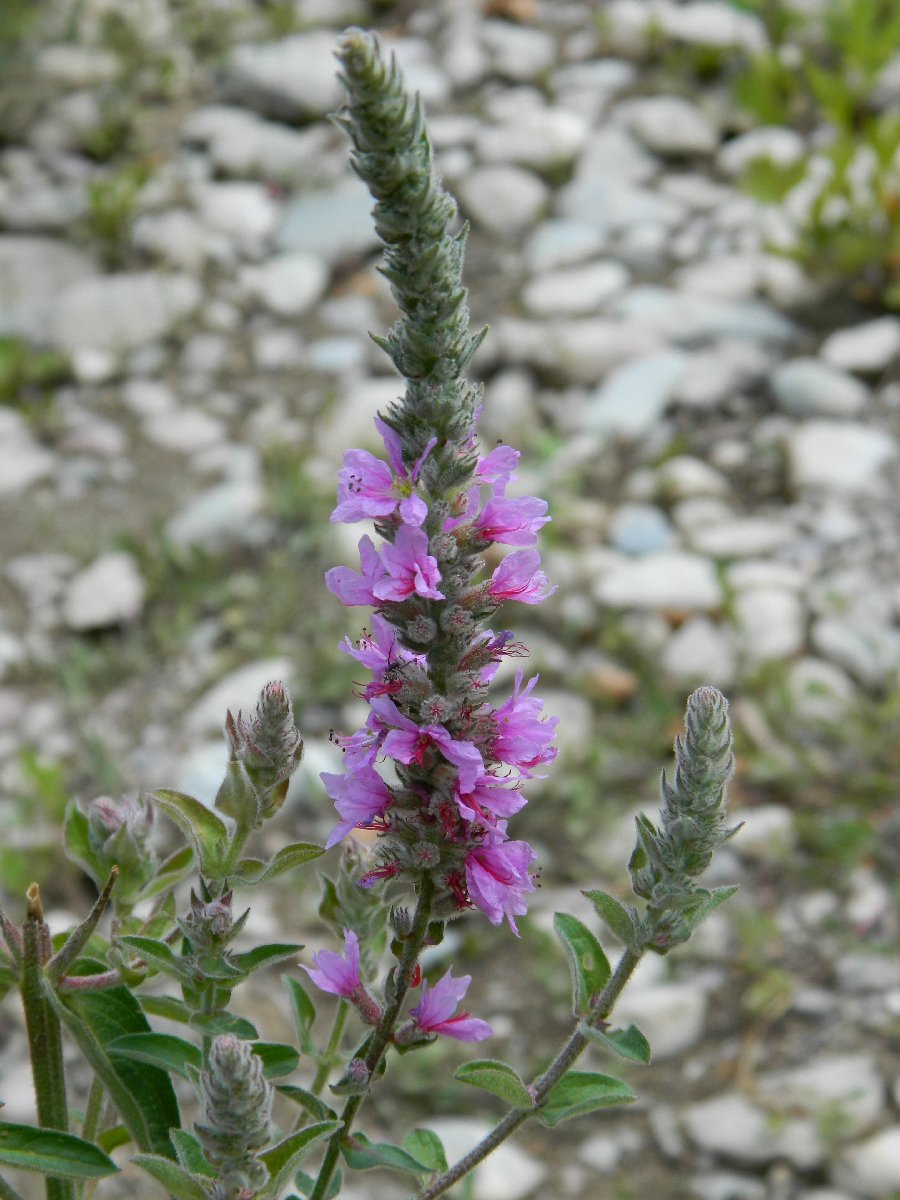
<point>438,503</point>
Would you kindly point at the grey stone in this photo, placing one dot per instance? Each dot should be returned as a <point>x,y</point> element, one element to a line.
<point>669,125</point>
<point>177,236</point>
<point>584,350</point>
<point>672,1016</point>
<point>819,690</point>
<point>291,78</point>
<point>577,291</point>
<point>869,651</point>
<point>665,580</point>
<point>770,623</point>
<point>688,317</point>
<point>635,395</point>
<point>806,387</point>
<point>871,1168</point>
<point>767,830</point>
<point>707,23</point>
<point>120,312</point>
<point>683,476</point>
<point>184,430</point>
<point>504,200</point>
<point>76,65</point>
<point>562,243</point>
<point>727,1185</point>
<point>638,529</point>
<point>775,143</point>
<point>510,1173</point>
<point>239,689</point>
<point>519,52</point>
<point>701,651</point>
<point>336,225</point>
<point>726,277</point>
<point>22,461</point>
<point>241,143</point>
<point>223,516</point>
<point>542,139</point>
<point>613,205</point>
<point>714,375</point>
<point>243,212</point>
<point>108,592</point>
<point>289,284</point>
<point>867,348</point>
<point>612,152</point>
<point>33,271</point>
<point>838,456</point>
<point>730,1125</point>
<point>743,537</point>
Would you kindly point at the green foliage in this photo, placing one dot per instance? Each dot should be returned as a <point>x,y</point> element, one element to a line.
<point>590,966</point>
<point>581,1092</point>
<point>50,1152</point>
<point>112,202</point>
<point>498,1078</point>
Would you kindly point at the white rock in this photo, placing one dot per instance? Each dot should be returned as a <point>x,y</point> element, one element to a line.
<point>727,1185</point>
<point>289,284</point>
<point>634,396</point>
<point>22,461</point>
<point>761,573</point>
<point>245,212</point>
<point>562,243</point>
<point>120,312</point>
<point>688,317</point>
<point>869,347</point>
<point>33,271</point>
<point>730,1125</point>
<point>838,456</point>
<point>504,200</point>
<point>240,143</point>
<point>638,529</point>
<point>807,387</point>
<point>239,689</point>
<point>850,1084</point>
<point>672,1016</point>
<point>727,277</point>
<point>584,350</point>
<point>77,66</point>
<point>776,143</point>
<point>519,52</point>
<point>108,592</point>
<point>222,516</point>
<point>148,397</point>
<point>335,224</point>
<point>541,139</point>
<point>711,24</point>
<point>669,125</point>
<point>176,236</point>
<point>684,475</point>
<point>770,622</point>
<point>510,1173</point>
<point>767,830</point>
<point>613,205</point>
<point>291,78</point>
<point>869,651</point>
<point>820,691</point>
<point>713,375</point>
<point>872,1168</point>
<point>666,580</point>
<point>350,421</point>
<point>700,651</point>
<point>743,537</point>
<point>186,430</point>
<point>578,291</point>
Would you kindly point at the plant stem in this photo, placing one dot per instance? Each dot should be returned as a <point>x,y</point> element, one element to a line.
<point>542,1086</point>
<point>337,1028</point>
<point>91,1121</point>
<point>8,1192</point>
<point>44,1036</point>
<point>377,1044</point>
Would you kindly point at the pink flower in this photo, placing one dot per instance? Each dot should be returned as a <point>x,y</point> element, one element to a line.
<point>360,797</point>
<point>338,973</point>
<point>497,878</point>
<point>408,743</point>
<point>518,578</point>
<point>409,568</point>
<point>524,734</point>
<point>512,522</point>
<point>369,488</point>
<point>488,799</point>
<point>434,1012</point>
<point>498,469</point>
<point>352,587</point>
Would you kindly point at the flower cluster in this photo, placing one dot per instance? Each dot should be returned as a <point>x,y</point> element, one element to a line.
<point>459,762</point>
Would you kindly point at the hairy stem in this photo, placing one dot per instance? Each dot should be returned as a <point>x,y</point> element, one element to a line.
<point>377,1044</point>
<point>542,1086</point>
<point>8,1192</point>
<point>337,1028</point>
<point>44,1035</point>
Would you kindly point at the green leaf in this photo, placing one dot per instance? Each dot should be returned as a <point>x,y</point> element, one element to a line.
<point>498,1078</point>
<point>263,956</point>
<point>283,1158</point>
<point>616,916</point>
<point>306,1183</point>
<point>304,1011</point>
<point>190,1153</point>
<point>77,843</point>
<point>314,1106</point>
<point>250,871</point>
<point>143,1095</point>
<point>590,966</point>
<point>175,1179</point>
<point>216,1023</point>
<point>581,1092</point>
<point>209,832</point>
<point>168,873</point>
<point>277,1058</point>
<point>155,953</point>
<point>53,1153</point>
<point>427,1148</point>
<point>362,1155</point>
<point>159,1050</point>
<point>630,1043</point>
<point>112,1138</point>
<point>166,1006</point>
<point>711,902</point>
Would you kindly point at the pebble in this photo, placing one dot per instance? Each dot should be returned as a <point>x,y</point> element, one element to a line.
<point>223,516</point>
<point>289,284</point>
<point>23,461</point>
<point>669,125</point>
<point>243,212</point>
<point>577,291</point>
<point>335,225</point>
<point>867,348</point>
<point>730,1125</point>
<point>638,529</point>
<point>668,580</point>
<point>293,78</point>
<point>725,277</point>
<point>239,143</point>
<point>683,476</point>
<point>728,1185</point>
<point>510,1173</point>
<point>108,592</point>
<point>708,24</point>
<point>504,200</point>
<point>871,1168</point>
<point>518,52</point>
<point>701,651</point>
<point>767,830</point>
<point>671,1016</point>
<point>120,312</point>
<point>712,376</point>
<point>562,243</point>
<point>820,691</point>
<point>807,387</point>
<point>239,689</point>
<point>542,139</point>
<point>183,431</point>
<point>743,537</point>
<point>838,456</point>
<point>33,271</point>
<point>848,1084</point>
<point>868,651</point>
<point>774,143</point>
<point>634,396</point>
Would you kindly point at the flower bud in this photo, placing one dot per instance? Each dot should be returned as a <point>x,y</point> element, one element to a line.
<point>269,746</point>
<point>209,927</point>
<point>354,1081</point>
<point>237,1112</point>
<point>118,835</point>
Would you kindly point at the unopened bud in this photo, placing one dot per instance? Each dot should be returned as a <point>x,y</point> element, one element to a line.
<point>237,1113</point>
<point>118,834</point>
<point>210,926</point>
<point>269,745</point>
<point>354,1081</point>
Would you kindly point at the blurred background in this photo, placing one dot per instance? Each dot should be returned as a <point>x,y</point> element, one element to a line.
<point>686,241</point>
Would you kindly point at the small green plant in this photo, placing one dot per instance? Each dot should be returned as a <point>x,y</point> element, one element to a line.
<point>112,200</point>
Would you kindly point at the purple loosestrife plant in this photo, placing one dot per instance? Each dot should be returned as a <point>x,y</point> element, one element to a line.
<point>437,772</point>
